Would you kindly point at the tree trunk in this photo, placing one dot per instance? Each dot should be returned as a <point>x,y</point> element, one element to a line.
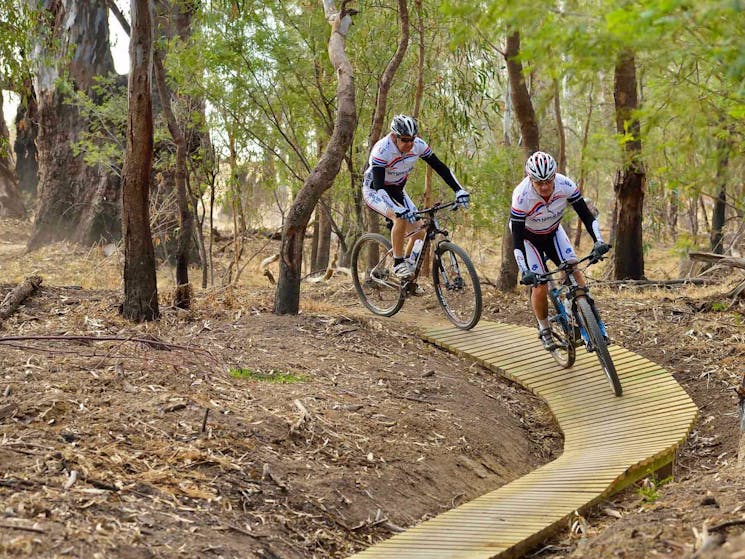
<point>718,213</point>
<point>673,206</point>
<point>324,234</point>
<point>562,156</point>
<point>11,204</point>
<point>287,298</point>
<point>384,84</point>
<point>27,129</point>
<point>630,183</point>
<point>525,113</point>
<point>582,170</point>
<point>381,100</point>
<point>140,286</point>
<point>77,202</point>
<point>420,63</point>
<point>182,294</point>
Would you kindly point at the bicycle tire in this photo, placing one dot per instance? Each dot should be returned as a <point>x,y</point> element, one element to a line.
<point>372,273</point>
<point>458,293</point>
<point>566,353</point>
<point>587,316</point>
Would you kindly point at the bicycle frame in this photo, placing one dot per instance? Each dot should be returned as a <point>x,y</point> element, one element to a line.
<point>432,227</point>
<point>571,290</point>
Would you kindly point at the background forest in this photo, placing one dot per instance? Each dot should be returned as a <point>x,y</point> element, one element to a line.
<point>642,104</point>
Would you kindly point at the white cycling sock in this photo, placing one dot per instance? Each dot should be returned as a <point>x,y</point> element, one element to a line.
<point>543,323</point>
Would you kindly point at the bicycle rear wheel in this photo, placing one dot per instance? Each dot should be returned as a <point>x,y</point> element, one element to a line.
<point>457,286</point>
<point>565,352</point>
<point>587,316</point>
<point>372,273</point>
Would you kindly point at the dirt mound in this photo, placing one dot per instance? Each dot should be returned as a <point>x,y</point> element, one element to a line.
<point>256,435</point>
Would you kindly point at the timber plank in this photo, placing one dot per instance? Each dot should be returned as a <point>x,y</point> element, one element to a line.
<point>610,442</point>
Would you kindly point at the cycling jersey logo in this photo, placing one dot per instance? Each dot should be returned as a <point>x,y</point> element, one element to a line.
<point>535,267</point>
<point>568,250</point>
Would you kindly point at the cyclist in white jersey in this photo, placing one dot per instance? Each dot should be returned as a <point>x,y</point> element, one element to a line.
<point>391,161</point>
<point>538,204</point>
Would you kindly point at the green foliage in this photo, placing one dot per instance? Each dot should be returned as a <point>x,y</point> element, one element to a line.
<point>16,40</point>
<point>649,491</point>
<point>273,376</point>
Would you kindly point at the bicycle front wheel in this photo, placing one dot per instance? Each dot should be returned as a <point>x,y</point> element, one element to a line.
<point>372,273</point>
<point>565,353</point>
<point>587,316</point>
<point>457,286</point>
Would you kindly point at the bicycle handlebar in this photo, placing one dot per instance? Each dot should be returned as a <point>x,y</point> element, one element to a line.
<point>564,266</point>
<point>436,208</point>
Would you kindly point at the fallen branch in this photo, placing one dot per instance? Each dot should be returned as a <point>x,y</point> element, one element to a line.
<point>720,259</point>
<point>23,528</point>
<point>656,283</point>
<point>19,294</point>
<point>153,343</point>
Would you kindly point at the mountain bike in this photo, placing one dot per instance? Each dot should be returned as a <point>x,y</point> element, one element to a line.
<point>575,320</point>
<point>454,277</point>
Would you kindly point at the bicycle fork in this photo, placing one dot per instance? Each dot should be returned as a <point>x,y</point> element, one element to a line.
<point>579,324</point>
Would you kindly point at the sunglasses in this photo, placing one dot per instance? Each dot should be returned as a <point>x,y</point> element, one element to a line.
<point>547,181</point>
<point>406,139</point>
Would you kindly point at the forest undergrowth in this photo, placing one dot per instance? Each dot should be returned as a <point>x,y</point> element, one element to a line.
<point>227,431</point>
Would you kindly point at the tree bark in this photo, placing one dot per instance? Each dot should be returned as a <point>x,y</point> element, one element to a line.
<point>77,202</point>
<point>720,204</point>
<point>630,184</point>
<point>182,294</point>
<point>324,234</point>
<point>11,204</point>
<point>140,286</point>
<point>523,107</point>
<point>287,298</point>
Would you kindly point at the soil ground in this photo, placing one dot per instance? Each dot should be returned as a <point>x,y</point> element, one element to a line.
<point>227,431</point>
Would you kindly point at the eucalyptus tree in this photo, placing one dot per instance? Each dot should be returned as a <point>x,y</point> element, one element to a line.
<point>140,284</point>
<point>77,202</point>
<point>287,298</point>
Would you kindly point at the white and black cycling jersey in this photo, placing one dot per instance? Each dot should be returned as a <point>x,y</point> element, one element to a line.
<point>535,223</point>
<point>542,217</point>
<point>398,166</point>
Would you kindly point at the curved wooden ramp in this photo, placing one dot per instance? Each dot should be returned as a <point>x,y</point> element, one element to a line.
<point>609,443</point>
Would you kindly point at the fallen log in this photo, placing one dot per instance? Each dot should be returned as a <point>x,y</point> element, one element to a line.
<point>19,294</point>
<point>720,259</point>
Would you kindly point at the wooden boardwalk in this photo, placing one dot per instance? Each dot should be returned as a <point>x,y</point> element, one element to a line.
<point>609,443</point>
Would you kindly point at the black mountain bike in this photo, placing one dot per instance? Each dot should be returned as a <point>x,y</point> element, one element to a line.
<point>456,284</point>
<point>575,320</point>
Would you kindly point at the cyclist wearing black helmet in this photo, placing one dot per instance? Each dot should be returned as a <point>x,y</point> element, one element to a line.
<point>538,204</point>
<point>391,161</point>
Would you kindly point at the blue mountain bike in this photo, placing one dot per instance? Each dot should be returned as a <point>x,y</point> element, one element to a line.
<point>575,320</point>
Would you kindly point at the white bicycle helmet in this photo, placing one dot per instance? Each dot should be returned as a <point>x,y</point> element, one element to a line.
<point>403,125</point>
<point>540,166</point>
